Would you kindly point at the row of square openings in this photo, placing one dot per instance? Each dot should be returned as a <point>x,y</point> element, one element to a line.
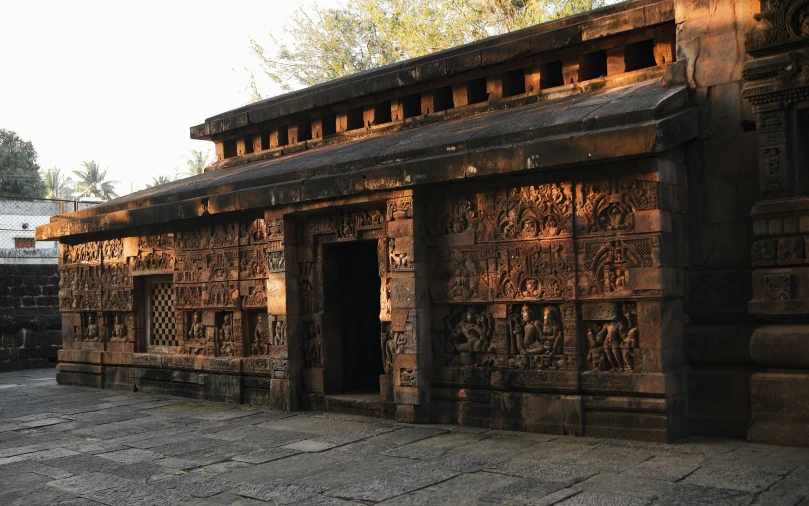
<point>638,55</point>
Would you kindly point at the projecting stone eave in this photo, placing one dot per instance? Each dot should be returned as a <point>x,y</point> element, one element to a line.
<point>601,126</point>
<point>554,35</point>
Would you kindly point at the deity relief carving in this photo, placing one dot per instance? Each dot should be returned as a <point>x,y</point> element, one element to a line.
<point>254,232</point>
<point>277,261</point>
<point>190,238</point>
<point>154,261</point>
<point>189,267</point>
<point>116,300</point>
<point>400,209</point>
<point>83,253</point>
<point>401,259</point>
<point>532,212</point>
<point>221,265</point>
<point>253,263</point>
<point>225,336</point>
<point>197,335</point>
<point>257,296</point>
<point>188,296</point>
<point>115,275</point>
<point>224,235</point>
<point>223,294</point>
<point>537,271</point>
<point>607,208</point>
<point>461,276</point>
<point>607,266</point>
<point>472,333</point>
<point>612,338</point>
<point>112,250</point>
<point>307,297</point>
<point>261,336</point>
<point>120,331</point>
<point>157,241</point>
<point>92,330</point>
<point>408,377</point>
<point>311,344</point>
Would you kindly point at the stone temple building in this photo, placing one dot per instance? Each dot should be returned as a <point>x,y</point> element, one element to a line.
<point>595,226</point>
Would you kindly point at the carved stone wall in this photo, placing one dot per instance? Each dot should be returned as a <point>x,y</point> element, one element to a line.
<point>777,84</point>
<point>565,286</point>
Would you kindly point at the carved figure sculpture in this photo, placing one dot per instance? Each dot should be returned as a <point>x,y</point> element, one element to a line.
<point>596,354</point>
<point>612,334</point>
<point>197,330</point>
<point>388,351</point>
<point>119,330</point>
<point>471,333</point>
<point>627,349</point>
<point>280,333</point>
<point>261,339</point>
<point>552,339</point>
<point>93,332</point>
<point>311,345</point>
<point>531,288</point>
<point>226,336</point>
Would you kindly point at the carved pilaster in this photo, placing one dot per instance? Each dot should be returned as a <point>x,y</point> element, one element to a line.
<point>777,84</point>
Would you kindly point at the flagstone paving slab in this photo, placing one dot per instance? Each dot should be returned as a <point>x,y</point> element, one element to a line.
<point>72,446</point>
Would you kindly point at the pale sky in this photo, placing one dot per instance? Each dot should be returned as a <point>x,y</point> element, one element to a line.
<point>121,83</point>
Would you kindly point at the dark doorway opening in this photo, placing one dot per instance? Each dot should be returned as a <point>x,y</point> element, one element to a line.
<point>351,278</point>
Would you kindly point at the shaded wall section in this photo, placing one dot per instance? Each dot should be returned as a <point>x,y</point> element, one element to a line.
<point>723,184</point>
<point>30,324</point>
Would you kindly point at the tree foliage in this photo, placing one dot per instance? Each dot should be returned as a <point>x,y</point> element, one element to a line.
<point>58,185</point>
<point>159,180</point>
<point>197,162</point>
<point>19,171</point>
<point>92,181</point>
<point>321,44</point>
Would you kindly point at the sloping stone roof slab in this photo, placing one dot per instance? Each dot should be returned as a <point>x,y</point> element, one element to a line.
<point>608,124</point>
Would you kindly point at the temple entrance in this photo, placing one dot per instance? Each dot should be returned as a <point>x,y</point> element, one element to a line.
<point>353,356</point>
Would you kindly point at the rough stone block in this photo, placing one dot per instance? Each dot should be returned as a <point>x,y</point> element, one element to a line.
<point>785,346</point>
<point>553,414</point>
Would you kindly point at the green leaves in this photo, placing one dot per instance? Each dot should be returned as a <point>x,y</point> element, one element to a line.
<point>324,44</point>
<point>92,181</point>
<point>19,171</point>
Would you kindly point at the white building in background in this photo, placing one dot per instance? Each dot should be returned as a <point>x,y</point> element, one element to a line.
<point>18,221</point>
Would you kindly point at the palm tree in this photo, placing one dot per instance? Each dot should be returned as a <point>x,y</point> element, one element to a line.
<point>157,181</point>
<point>92,181</point>
<point>57,184</point>
<point>197,162</point>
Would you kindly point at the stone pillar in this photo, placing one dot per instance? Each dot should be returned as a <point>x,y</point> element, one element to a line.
<point>777,84</point>
<point>410,309</point>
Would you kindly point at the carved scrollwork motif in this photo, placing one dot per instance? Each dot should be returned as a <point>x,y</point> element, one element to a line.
<point>532,212</point>
<point>606,208</point>
<point>536,271</point>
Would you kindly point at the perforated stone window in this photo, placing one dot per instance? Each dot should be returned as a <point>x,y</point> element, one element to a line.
<point>162,326</point>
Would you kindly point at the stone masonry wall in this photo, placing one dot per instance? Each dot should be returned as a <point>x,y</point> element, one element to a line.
<point>30,324</point>
<point>723,184</point>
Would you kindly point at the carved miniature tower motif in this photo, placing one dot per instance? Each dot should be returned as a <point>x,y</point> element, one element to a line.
<point>777,85</point>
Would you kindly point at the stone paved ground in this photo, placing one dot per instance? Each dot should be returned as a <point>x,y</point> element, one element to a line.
<point>81,446</point>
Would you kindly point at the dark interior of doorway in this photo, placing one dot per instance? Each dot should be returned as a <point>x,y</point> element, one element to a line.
<point>357,297</point>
